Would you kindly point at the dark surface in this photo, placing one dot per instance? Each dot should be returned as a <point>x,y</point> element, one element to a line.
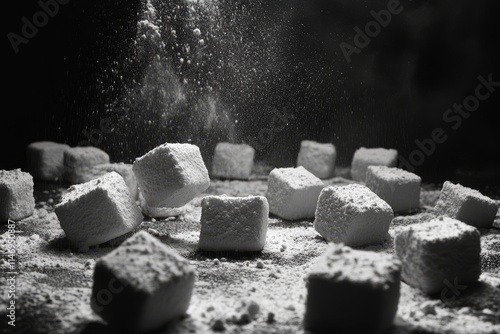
<point>393,93</point>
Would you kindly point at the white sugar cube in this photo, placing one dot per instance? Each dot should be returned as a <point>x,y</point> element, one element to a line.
<point>142,285</point>
<point>232,161</point>
<point>125,170</point>
<point>45,160</point>
<point>171,175</point>
<point>399,188</point>
<point>160,212</point>
<point>97,211</point>
<point>467,205</point>
<point>78,162</point>
<point>318,158</point>
<point>293,193</point>
<point>364,157</point>
<point>346,283</point>
<point>438,253</point>
<point>16,195</point>
<point>353,215</point>
<point>233,223</point>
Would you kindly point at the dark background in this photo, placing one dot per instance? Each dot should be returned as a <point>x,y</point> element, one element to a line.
<point>286,56</point>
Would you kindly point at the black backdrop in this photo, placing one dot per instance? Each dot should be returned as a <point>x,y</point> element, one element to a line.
<point>394,92</point>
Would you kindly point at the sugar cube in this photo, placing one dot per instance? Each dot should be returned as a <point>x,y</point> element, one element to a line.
<point>346,283</point>
<point>353,215</point>
<point>171,175</point>
<point>78,162</point>
<point>399,188</point>
<point>97,211</point>
<point>364,157</point>
<point>45,160</point>
<point>16,195</point>
<point>142,285</point>
<point>233,223</point>
<point>232,161</point>
<point>125,170</point>
<point>467,205</point>
<point>317,158</point>
<point>293,193</point>
<point>437,253</point>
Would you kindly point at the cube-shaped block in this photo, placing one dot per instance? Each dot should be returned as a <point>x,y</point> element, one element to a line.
<point>171,175</point>
<point>399,188</point>
<point>97,211</point>
<point>364,157</point>
<point>437,254</point>
<point>142,285</point>
<point>160,212</point>
<point>78,162</point>
<point>232,161</point>
<point>237,224</point>
<point>318,158</point>
<point>125,170</point>
<point>345,283</point>
<point>293,193</point>
<point>16,195</point>
<point>353,215</point>
<point>466,204</point>
<point>45,160</point>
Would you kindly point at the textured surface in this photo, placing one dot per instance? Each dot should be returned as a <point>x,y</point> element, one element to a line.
<point>344,283</point>
<point>232,161</point>
<point>159,212</point>
<point>353,215</point>
<point>171,175</point>
<point>97,211</point>
<point>125,171</point>
<point>78,161</point>
<point>233,223</point>
<point>142,285</point>
<point>293,193</point>
<point>466,204</point>
<point>54,282</point>
<point>439,253</point>
<point>318,158</point>
<point>16,195</point>
<point>399,188</point>
<point>364,157</point>
<point>45,160</point>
